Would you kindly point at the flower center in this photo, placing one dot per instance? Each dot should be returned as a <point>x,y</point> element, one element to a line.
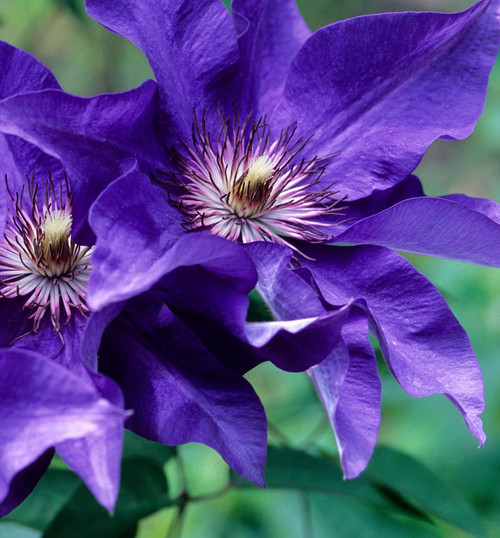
<point>243,186</point>
<point>56,228</point>
<point>249,192</point>
<point>39,260</point>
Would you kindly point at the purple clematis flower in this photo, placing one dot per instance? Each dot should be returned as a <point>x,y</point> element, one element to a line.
<point>45,263</point>
<point>51,399</point>
<point>284,142</point>
<point>179,389</point>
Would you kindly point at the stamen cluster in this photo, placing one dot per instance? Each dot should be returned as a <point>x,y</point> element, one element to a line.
<point>38,258</point>
<point>245,187</point>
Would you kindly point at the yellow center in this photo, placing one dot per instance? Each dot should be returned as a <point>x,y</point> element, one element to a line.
<point>258,173</point>
<point>56,229</point>
<point>252,189</point>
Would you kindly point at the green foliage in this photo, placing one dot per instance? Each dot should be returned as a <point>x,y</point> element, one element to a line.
<point>138,447</point>
<point>257,309</point>
<point>292,469</point>
<point>61,505</point>
<point>143,491</point>
<point>51,494</point>
<point>393,484</point>
<point>411,482</point>
<point>396,492</point>
<point>13,530</point>
<point>75,6</point>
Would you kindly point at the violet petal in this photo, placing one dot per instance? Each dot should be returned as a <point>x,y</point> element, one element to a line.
<point>91,136</point>
<point>271,33</point>
<point>178,391</point>
<point>43,404</point>
<point>423,343</point>
<point>378,90</point>
<point>155,243</point>
<point>190,44</point>
<point>349,387</point>
<point>433,226</point>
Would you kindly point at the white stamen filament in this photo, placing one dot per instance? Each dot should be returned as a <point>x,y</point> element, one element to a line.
<point>39,259</point>
<point>246,188</point>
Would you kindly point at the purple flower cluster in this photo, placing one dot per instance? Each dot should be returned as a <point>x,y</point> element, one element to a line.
<point>135,225</point>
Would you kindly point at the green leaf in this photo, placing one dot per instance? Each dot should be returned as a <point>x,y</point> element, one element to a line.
<point>13,530</point>
<point>51,493</point>
<point>135,446</point>
<point>143,492</point>
<point>74,6</point>
<point>409,480</point>
<point>258,309</point>
<point>59,484</point>
<point>292,469</point>
<point>393,482</point>
<point>350,519</point>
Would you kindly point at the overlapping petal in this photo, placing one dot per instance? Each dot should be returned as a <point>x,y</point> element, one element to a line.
<point>203,276</point>
<point>96,455</point>
<point>441,227</point>
<point>349,386</point>
<point>91,136</point>
<point>377,201</point>
<point>346,380</point>
<point>270,33</point>
<point>150,227</point>
<point>490,208</point>
<point>178,391</point>
<point>44,405</point>
<point>277,282</point>
<point>217,311</point>
<point>424,345</point>
<point>22,73</point>
<point>378,90</point>
<point>191,47</point>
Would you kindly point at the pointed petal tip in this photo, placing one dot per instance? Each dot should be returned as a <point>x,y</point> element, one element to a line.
<point>108,501</point>
<point>255,475</point>
<point>481,437</point>
<point>475,425</point>
<point>260,480</point>
<point>351,470</point>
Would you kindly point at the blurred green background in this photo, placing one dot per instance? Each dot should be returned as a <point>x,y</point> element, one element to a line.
<point>87,59</point>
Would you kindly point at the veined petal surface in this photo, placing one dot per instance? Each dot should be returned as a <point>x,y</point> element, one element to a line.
<point>423,343</point>
<point>377,90</point>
